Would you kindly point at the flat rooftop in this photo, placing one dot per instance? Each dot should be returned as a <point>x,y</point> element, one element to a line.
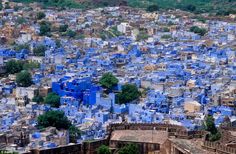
<point>190,146</point>
<point>145,136</point>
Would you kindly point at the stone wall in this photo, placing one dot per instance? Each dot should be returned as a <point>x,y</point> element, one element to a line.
<point>218,148</point>
<point>84,148</point>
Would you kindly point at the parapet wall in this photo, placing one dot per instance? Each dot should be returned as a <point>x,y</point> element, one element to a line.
<point>83,148</point>
<point>144,126</point>
<point>218,148</point>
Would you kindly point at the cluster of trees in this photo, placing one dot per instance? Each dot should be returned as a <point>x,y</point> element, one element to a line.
<point>40,15</point>
<point>108,81</point>
<point>16,66</point>
<point>7,152</point>
<point>152,8</point>
<point>19,47</point>
<point>23,77</point>
<point>198,30</point>
<point>209,125</point>
<point>128,93</point>
<point>45,28</point>
<point>51,99</point>
<point>60,121</point>
<point>39,50</point>
<point>166,36</point>
<point>127,149</point>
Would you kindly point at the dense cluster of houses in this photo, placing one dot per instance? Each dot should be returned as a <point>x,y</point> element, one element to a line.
<point>184,76</point>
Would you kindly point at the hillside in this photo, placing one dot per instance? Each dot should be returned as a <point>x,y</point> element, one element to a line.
<point>220,7</point>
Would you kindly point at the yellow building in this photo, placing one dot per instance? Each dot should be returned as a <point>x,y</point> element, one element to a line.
<point>192,106</point>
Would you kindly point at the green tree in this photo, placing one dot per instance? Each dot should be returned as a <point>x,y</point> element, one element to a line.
<point>166,37</point>
<point>191,7</point>
<point>53,100</point>
<point>103,149</point>
<point>14,66</point>
<point>7,152</point>
<point>152,8</point>
<point>53,118</point>
<point>209,125</point>
<point>63,28</point>
<point>39,50</point>
<point>142,36</point>
<point>45,28</point>
<point>70,33</point>
<point>7,6</point>
<point>128,94</point>
<point>166,29</point>
<point>58,43</point>
<point>16,8</point>
<point>31,65</point>
<point>38,99</point>
<point>129,149</point>
<point>108,80</point>
<point>21,20</point>
<point>197,30</point>
<point>19,47</point>
<point>24,79</point>
<point>40,15</point>
<point>74,133</point>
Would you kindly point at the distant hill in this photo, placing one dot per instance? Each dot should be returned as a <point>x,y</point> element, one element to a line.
<point>221,7</point>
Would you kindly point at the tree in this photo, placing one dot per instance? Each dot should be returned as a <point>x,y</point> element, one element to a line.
<point>7,152</point>
<point>63,28</point>
<point>142,36</point>
<point>128,94</point>
<point>53,100</point>
<point>197,30</point>
<point>166,29</point>
<point>190,7</point>
<point>209,125</point>
<point>53,118</point>
<point>74,133</point>
<point>0,6</point>
<point>14,66</point>
<point>38,99</point>
<point>40,15</point>
<point>19,47</point>
<point>58,43</point>
<point>7,6</point>
<point>108,80</point>
<point>31,65</point>
<point>104,150</point>
<point>39,50</point>
<point>24,79</point>
<point>129,149</point>
<point>152,8</point>
<point>45,28</point>
<point>70,33</point>
<point>166,37</point>
<point>21,20</point>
